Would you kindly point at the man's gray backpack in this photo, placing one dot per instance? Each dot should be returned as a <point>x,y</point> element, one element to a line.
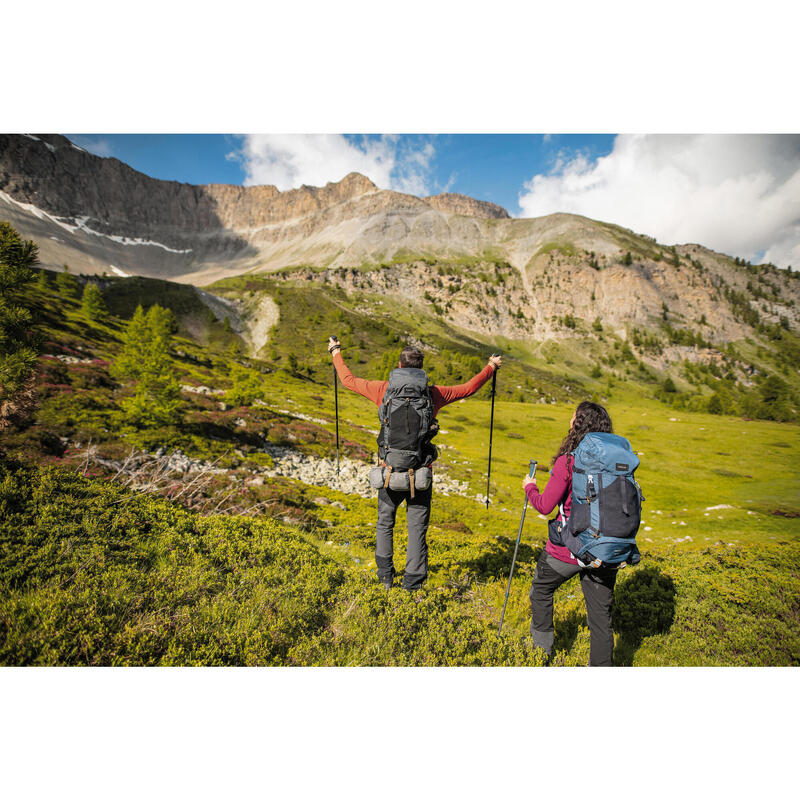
<point>408,424</point>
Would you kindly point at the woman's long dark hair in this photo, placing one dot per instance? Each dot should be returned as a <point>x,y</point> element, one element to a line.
<point>589,418</point>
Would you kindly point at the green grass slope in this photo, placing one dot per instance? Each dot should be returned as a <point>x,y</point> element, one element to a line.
<point>92,573</point>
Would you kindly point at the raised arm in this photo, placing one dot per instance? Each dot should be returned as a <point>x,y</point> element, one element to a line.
<point>442,395</point>
<point>372,390</point>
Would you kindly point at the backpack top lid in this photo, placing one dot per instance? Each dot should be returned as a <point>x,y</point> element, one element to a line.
<point>401,378</point>
<point>605,452</point>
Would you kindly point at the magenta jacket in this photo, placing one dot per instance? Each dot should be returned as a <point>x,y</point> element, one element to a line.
<point>557,491</point>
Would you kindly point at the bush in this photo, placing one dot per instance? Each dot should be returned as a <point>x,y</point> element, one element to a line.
<point>247,386</point>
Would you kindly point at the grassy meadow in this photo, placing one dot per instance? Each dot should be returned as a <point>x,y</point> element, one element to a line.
<point>96,573</point>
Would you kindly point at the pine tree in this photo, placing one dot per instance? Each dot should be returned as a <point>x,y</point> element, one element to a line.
<point>93,304</point>
<point>66,283</point>
<point>628,260</point>
<point>43,280</point>
<point>134,343</point>
<point>145,360</point>
<point>18,341</point>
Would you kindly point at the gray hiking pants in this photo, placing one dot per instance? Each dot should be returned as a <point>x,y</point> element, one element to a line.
<point>598,592</point>
<point>418,515</point>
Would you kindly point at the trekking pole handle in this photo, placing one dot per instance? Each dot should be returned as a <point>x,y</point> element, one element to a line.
<point>532,468</point>
<point>335,340</point>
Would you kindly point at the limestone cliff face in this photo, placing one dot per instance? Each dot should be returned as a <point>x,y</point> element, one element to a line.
<point>55,176</point>
<point>108,212</point>
<point>466,206</point>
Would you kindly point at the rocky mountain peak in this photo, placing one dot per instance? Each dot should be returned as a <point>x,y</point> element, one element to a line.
<point>354,184</point>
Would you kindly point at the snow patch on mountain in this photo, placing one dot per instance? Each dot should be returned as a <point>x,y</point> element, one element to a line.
<point>79,224</point>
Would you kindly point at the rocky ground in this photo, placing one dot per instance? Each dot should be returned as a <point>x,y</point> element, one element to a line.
<point>149,469</point>
<point>351,477</point>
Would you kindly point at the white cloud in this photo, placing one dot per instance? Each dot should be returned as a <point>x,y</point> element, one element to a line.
<point>739,194</point>
<point>94,144</point>
<point>291,160</point>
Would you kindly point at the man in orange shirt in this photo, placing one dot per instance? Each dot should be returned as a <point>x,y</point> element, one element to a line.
<point>418,503</point>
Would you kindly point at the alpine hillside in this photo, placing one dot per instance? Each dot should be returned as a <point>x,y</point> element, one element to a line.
<point>515,277</point>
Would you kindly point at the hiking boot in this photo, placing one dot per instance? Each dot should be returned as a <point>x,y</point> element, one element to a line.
<point>387,583</point>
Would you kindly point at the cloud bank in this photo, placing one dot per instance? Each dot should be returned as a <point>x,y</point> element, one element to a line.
<point>291,160</point>
<point>739,194</point>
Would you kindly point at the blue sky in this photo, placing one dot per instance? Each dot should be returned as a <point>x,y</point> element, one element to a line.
<point>738,194</point>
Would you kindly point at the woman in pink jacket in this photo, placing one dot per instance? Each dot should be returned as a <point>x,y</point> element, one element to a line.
<point>557,564</point>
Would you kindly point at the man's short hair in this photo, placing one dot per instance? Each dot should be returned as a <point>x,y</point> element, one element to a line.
<point>411,357</point>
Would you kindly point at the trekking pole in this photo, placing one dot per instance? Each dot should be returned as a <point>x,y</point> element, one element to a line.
<point>531,472</point>
<point>336,402</point>
<point>491,427</point>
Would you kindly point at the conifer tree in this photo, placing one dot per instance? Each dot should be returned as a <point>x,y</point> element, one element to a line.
<point>66,283</point>
<point>43,280</point>
<point>18,342</point>
<point>128,363</point>
<point>93,304</point>
<point>145,360</point>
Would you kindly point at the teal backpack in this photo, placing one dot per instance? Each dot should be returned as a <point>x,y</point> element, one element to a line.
<point>606,506</point>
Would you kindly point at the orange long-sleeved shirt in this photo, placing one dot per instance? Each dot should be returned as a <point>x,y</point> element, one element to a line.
<point>442,395</point>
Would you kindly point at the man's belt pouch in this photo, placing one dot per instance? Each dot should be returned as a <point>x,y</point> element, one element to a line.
<point>400,481</point>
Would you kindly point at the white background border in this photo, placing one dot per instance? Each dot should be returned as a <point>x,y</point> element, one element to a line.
<point>408,67</point>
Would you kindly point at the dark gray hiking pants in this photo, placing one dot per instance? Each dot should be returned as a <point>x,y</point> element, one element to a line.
<point>418,514</point>
<point>598,592</point>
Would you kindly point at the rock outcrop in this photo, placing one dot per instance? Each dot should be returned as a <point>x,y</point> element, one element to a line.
<point>467,206</point>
